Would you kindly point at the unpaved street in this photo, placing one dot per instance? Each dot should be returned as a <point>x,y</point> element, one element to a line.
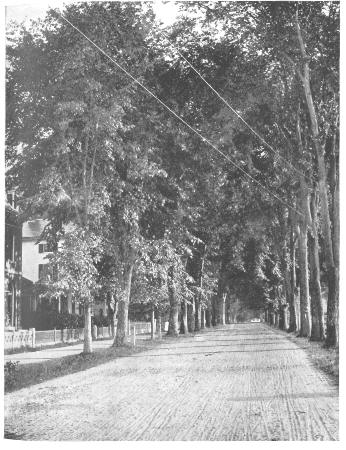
<point>237,382</point>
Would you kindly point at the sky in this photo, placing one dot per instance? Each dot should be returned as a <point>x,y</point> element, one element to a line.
<point>21,10</point>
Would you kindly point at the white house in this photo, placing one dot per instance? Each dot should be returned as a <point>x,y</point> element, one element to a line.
<point>35,268</point>
<point>34,263</point>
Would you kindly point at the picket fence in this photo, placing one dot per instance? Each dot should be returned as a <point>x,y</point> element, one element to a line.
<point>31,338</point>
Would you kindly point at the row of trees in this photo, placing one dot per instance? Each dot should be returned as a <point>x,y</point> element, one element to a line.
<point>155,214</point>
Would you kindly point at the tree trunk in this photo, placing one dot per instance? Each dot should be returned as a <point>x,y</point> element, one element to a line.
<point>198,310</point>
<point>87,347</point>
<point>185,324</point>
<point>277,319</point>
<point>302,228</point>
<point>208,318</point>
<point>214,310</point>
<point>332,270</point>
<point>305,307</point>
<point>173,327</point>
<point>159,325</point>
<point>123,307</point>
<point>292,301</point>
<point>191,317</point>
<point>112,313</point>
<point>202,318</point>
<point>333,305</point>
<point>152,323</point>
<point>332,338</point>
<point>317,319</point>
<point>285,324</point>
<point>222,305</point>
<point>272,318</point>
<point>287,284</point>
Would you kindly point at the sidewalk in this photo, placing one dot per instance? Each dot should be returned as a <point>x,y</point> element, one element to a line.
<point>53,353</point>
<point>59,352</point>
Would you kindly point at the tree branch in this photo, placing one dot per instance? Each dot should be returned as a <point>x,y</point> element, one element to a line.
<point>69,181</point>
<point>294,65</point>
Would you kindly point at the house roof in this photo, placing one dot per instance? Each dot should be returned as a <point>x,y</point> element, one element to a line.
<point>33,228</point>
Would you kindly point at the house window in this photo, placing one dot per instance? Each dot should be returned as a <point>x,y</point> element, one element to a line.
<point>43,248</point>
<point>43,271</point>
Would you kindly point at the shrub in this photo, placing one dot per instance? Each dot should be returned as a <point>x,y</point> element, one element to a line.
<point>66,320</point>
<point>101,321</point>
<point>11,369</point>
<point>47,320</point>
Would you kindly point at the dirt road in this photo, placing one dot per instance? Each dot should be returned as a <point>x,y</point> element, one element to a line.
<point>238,382</point>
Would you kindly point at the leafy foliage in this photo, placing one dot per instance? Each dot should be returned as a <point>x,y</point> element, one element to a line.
<point>87,147</point>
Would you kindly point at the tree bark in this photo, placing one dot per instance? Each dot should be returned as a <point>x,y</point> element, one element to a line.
<point>202,318</point>
<point>277,319</point>
<point>198,311</point>
<point>152,323</point>
<point>87,347</point>
<point>317,319</point>
<point>333,306</point>
<point>292,302</point>
<point>302,228</point>
<point>173,327</point>
<point>332,270</point>
<point>159,325</point>
<point>191,317</point>
<point>305,307</point>
<point>274,317</point>
<point>214,310</point>
<point>222,305</point>
<point>185,324</point>
<point>123,307</point>
<point>207,318</point>
<point>198,298</point>
<point>285,324</point>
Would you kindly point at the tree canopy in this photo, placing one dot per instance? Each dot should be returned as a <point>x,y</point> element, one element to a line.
<point>161,216</point>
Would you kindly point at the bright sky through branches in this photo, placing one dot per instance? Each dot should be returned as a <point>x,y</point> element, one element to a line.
<point>166,12</point>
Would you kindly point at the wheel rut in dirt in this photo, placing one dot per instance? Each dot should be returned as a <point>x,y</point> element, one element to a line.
<point>236,382</point>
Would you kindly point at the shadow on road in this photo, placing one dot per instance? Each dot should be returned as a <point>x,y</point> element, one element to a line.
<point>283,396</point>
<point>231,342</point>
<point>214,352</point>
<point>13,436</point>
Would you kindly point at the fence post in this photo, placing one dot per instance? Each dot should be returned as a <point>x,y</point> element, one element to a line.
<point>134,335</point>
<point>54,335</point>
<point>33,337</point>
<point>12,340</point>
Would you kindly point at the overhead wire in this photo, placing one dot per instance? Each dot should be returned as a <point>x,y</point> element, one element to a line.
<point>204,139</point>
<point>231,107</point>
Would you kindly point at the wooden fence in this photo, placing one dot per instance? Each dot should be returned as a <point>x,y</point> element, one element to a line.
<point>31,338</point>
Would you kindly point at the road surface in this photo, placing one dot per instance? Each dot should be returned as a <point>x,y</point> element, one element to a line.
<point>237,382</point>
